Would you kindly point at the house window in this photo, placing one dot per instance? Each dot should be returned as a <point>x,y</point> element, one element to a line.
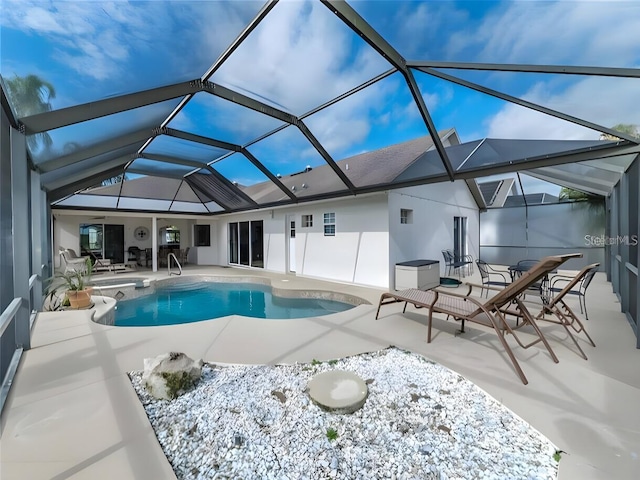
<point>307,220</point>
<point>406,216</point>
<point>170,235</point>
<point>329,224</point>
<point>202,234</point>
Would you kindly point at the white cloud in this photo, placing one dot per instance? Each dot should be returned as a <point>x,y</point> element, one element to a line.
<point>299,57</point>
<point>574,33</point>
<point>600,100</point>
<point>348,123</point>
<point>118,41</point>
<point>302,56</point>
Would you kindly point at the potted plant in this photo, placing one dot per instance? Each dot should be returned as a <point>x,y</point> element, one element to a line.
<point>76,286</point>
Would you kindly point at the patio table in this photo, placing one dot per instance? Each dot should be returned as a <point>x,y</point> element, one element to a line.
<point>516,270</point>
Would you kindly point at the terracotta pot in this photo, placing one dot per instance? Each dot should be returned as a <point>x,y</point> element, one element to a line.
<point>80,298</point>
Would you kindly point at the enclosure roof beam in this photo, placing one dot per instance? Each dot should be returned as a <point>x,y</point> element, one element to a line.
<point>530,105</point>
<point>504,67</point>
<point>63,117</point>
<point>356,23</point>
<point>95,150</point>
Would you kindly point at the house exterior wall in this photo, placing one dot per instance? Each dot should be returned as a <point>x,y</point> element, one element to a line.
<point>207,255</point>
<point>369,239</point>
<point>433,209</point>
<point>358,253</point>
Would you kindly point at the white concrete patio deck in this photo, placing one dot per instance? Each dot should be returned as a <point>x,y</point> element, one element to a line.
<point>72,412</point>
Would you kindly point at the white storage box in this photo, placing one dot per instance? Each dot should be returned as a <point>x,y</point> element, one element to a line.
<point>420,274</point>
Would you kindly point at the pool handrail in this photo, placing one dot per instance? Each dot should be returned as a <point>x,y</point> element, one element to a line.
<point>169,272</point>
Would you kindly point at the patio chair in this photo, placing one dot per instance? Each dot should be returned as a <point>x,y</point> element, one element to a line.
<point>581,289</point>
<point>184,256</point>
<point>562,313</point>
<point>455,264</point>
<point>488,313</point>
<point>486,271</point>
<point>72,262</point>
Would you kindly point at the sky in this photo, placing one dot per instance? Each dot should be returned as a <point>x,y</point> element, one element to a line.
<point>301,56</point>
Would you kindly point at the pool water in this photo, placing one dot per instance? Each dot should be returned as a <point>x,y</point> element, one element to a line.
<point>185,303</point>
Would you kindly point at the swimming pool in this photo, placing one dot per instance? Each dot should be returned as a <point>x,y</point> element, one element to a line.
<point>192,302</point>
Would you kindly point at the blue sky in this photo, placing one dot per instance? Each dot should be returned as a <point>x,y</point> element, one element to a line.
<point>302,55</point>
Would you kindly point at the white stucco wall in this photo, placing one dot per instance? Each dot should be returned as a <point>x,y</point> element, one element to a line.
<point>358,253</point>
<point>434,207</point>
<point>207,255</point>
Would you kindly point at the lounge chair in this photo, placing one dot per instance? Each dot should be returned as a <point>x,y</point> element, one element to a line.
<point>490,312</point>
<point>72,261</point>
<point>106,265</point>
<point>562,313</point>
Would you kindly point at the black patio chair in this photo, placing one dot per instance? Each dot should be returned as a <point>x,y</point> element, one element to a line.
<point>486,271</point>
<point>581,291</point>
<point>455,264</point>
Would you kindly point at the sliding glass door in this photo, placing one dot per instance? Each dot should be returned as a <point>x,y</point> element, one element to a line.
<point>246,243</point>
<point>257,244</point>
<point>233,243</point>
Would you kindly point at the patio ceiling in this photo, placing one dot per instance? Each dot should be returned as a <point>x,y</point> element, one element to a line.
<point>211,107</point>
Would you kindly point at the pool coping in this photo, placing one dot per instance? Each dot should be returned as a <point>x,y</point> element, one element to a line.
<point>150,285</point>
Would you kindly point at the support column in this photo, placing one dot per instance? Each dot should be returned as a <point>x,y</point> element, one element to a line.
<point>21,234</point>
<point>154,243</point>
<point>36,240</point>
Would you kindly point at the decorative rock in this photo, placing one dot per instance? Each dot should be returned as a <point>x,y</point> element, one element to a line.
<point>170,374</point>
<point>288,440</point>
<point>338,391</point>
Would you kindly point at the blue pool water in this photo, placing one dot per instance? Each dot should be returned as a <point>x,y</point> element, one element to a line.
<point>185,303</point>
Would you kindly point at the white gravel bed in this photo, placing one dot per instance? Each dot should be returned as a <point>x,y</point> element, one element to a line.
<point>420,421</point>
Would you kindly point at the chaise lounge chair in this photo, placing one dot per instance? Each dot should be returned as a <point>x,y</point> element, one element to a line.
<point>488,313</point>
<point>562,313</point>
<point>72,262</point>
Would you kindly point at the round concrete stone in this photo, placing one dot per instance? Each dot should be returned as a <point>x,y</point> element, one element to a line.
<point>338,391</point>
